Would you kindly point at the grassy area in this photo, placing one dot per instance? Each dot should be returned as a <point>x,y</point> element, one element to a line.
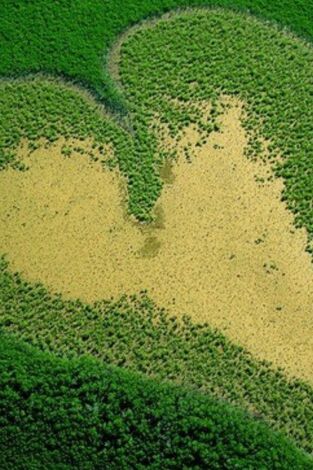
<point>194,57</point>
<point>134,333</point>
<point>215,195</point>
<point>38,109</point>
<point>207,68</point>
<point>61,414</point>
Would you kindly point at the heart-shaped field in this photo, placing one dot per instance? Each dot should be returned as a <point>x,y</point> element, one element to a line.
<point>223,248</point>
<point>181,199</point>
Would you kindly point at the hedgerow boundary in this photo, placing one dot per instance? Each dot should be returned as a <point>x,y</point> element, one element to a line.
<point>62,414</point>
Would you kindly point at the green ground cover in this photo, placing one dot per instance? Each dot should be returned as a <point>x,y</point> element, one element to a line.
<point>69,39</point>
<point>276,93</point>
<point>61,414</point>
<point>46,109</point>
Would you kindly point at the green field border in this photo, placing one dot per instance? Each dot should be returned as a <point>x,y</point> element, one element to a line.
<point>61,414</point>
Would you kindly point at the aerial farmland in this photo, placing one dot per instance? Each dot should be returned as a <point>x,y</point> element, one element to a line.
<point>156,234</point>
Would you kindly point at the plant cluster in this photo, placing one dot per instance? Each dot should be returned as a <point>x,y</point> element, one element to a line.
<point>62,414</point>
<point>42,110</point>
<point>69,38</point>
<point>195,58</point>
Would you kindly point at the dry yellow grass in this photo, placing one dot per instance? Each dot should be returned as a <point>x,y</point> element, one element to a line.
<point>223,248</point>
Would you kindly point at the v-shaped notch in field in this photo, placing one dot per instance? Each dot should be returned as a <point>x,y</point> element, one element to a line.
<point>225,251</point>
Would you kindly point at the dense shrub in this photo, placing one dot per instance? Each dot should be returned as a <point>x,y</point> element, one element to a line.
<point>59,414</point>
<point>74,413</point>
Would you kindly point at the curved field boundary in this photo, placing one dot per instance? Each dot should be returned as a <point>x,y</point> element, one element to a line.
<point>58,413</point>
<point>133,332</point>
<point>65,41</point>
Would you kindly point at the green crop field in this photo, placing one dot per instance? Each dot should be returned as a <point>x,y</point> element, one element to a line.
<point>156,234</point>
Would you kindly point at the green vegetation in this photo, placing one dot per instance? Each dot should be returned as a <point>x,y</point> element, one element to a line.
<point>70,37</point>
<point>192,57</point>
<point>197,56</point>
<point>212,64</point>
<point>43,109</point>
<point>61,414</point>
<point>133,333</point>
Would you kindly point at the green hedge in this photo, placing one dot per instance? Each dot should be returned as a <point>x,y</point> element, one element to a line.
<point>59,414</point>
